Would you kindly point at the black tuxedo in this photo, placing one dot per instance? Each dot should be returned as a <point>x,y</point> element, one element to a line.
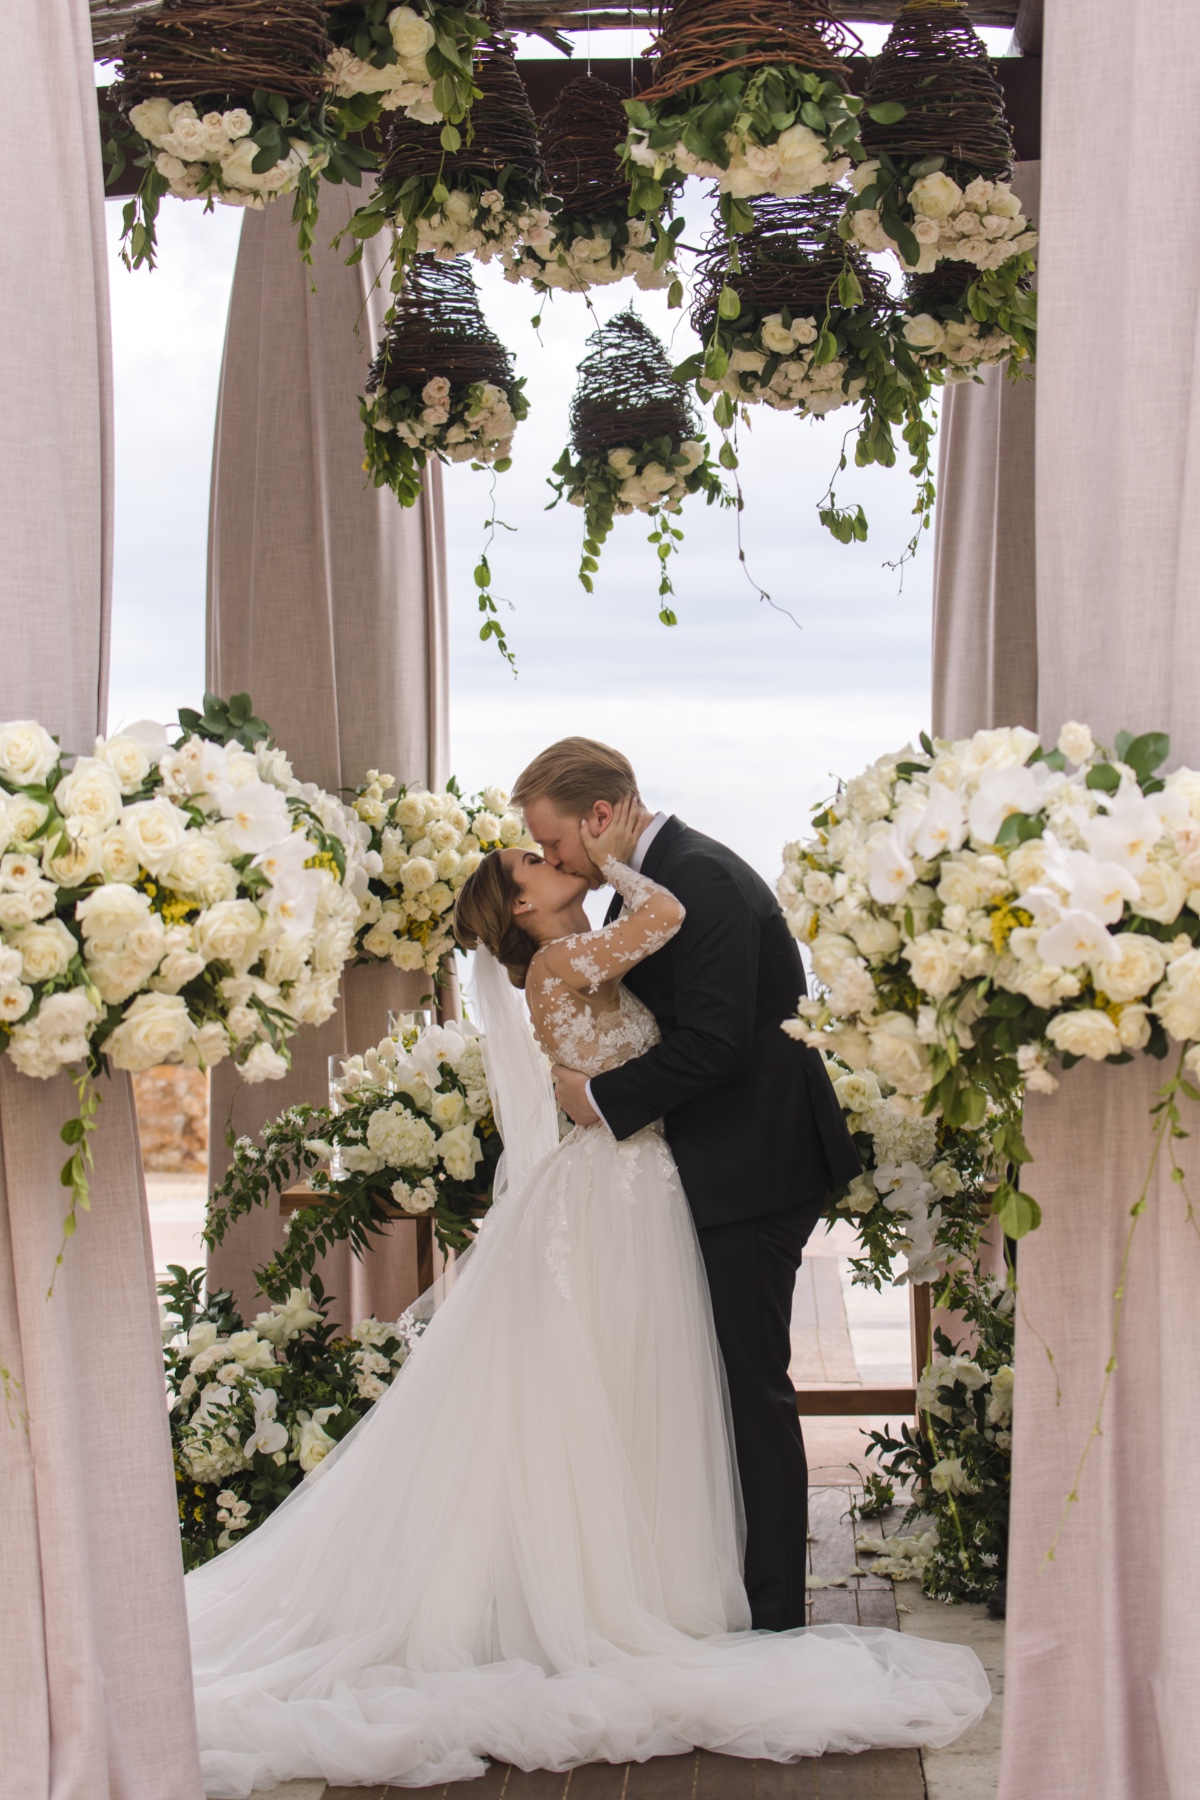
<point>759,1138</point>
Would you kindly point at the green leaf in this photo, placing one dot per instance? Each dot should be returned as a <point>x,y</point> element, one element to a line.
<point>888,112</point>
<point>1145,754</point>
<point>849,288</point>
<point>451,139</point>
<point>812,115</point>
<point>675,295</point>
<point>727,457</point>
<point>728,303</point>
<point>1104,777</point>
<point>1016,1213</point>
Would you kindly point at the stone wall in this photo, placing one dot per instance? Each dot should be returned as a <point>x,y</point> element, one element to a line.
<point>172,1110</point>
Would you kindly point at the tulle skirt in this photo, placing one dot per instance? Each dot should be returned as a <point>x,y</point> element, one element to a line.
<point>529,1549</point>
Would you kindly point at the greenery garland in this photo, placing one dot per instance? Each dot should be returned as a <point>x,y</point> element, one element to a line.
<point>417,58</point>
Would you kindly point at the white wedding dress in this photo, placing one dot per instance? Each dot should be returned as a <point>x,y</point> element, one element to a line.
<point>528,1550</point>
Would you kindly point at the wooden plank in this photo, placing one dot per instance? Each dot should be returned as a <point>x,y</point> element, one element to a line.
<point>847,1402</point>
<point>614,15</point>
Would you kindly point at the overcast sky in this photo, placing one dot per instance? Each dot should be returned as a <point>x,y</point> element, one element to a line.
<point>738,718</point>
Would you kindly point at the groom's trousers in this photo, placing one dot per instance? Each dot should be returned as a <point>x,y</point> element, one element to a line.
<point>751,1267</point>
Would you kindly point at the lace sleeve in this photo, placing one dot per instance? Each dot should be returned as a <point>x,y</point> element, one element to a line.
<point>651,918</point>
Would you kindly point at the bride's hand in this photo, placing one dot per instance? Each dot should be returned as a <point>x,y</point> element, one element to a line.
<point>619,837</point>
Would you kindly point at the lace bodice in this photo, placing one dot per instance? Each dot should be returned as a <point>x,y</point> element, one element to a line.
<point>584,1016</point>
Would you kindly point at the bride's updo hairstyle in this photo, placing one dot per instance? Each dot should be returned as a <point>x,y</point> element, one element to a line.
<point>484,914</point>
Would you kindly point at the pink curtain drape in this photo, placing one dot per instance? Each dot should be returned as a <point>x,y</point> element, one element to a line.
<point>1104,1641</point>
<point>327,604</point>
<point>94,1664</point>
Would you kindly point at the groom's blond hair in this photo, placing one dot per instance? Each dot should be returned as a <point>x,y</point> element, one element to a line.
<point>573,774</point>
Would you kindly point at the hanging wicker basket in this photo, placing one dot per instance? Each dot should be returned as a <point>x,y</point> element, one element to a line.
<point>635,445</point>
<point>225,100</point>
<point>936,66</point>
<point>951,341</point>
<point>750,94</point>
<point>441,384</point>
<point>477,198</point>
<point>807,305</point>
<point>592,241</point>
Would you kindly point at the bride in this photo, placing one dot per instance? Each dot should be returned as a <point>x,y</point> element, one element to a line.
<point>529,1549</point>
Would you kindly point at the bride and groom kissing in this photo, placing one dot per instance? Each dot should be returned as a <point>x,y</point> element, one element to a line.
<point>574,1529</point>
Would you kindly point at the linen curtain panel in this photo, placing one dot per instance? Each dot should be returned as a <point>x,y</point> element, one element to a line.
<point>94,1662</point>
<point>1103,1640</point>
<point>327,604</point>
<point>984,594</point>
<point>1104,1644</point>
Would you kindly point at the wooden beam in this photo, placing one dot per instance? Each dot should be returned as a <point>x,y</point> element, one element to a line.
<point>855,1402</point>
<point>618,15</point>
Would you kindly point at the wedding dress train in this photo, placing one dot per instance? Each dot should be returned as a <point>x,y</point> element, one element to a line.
<point>528,1550</point>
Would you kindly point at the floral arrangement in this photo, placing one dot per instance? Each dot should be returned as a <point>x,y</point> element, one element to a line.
<point>455,421</point>
<point>254,1409</point>
<point>978,909</point>
<point>958,1464</point>
<point>167,904</point>
<point>653,478</point>
<point>413,59</point>
<point>728,130</point>
<point>927,217</point>
<point>635,446</point>
<point>227,104</point>
<point>591,240</point>
<point>924,1192</point>
<point>438,195</point>
<point>413,1133</point>
<point>425,845</point>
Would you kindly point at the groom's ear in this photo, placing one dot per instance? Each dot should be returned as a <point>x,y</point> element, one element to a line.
<point>601,815</point>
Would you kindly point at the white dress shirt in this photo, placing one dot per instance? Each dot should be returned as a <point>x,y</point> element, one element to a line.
<point>640,850</point>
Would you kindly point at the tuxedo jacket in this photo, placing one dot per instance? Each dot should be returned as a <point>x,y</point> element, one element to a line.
<point>750,1114</point>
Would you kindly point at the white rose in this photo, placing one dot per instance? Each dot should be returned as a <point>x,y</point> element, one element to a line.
<point>229,932</point>
<point>209,1046</point>
<point>90,795</point>
<point>192,867</point>
<point>948,1476</point>
<point>111,914</point>
<point>935,196</point>
<point>876,938</point>
<point>1133,1027</point>
<point>418,874</point>
<point>448,1110</point>
<point>829,952</point>
<point>856,1092</point>
<point>151,119</point>
<point>46,950</point>
<point>408,956</point>
<point>936,960</point>
<point>127,757</point>
<point>1076,743</point>
<point>1177,1001</point>
<point>1085,1033</point>
<point>27,753</point>
<point>74,866</point>
<point>313,1442</point>
<point>924,332</point>
<point>155,1028</point>
<point>897,1053</point>
<point>15,1001</point>
<point>155,829</point>
<point>411,34</point>
<point>1131,967</point>
<point>264,1063</point>
<point>460,1152</point>
<point>56,1035</point>
<point>26,816</point>
<point>776,336</point>
<point>1164,891</point>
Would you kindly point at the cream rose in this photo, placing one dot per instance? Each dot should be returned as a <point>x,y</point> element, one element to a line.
<point>936,960</point>
<point>924,332</point>
<point>75,865</point>
<point>1085,1033</point>
<point>1076,743</point>
<point>935,196</point>
<point>155,829</point>
<point>46,950</point>
<point>448,1110</point>
<point>111,914</point>
<point>1164,891</point>
<point>264,1063</point>
<point>128,759</point>
<point>1177,1001</point>
<point>90,795</point>
<point>408,956</point>
<point>27,752</point>
<point>193,868</point>
<point>1131,968</point>
<point>229,932</point>
<point>460,1152</point>
<point>898,1055</point>
<point>155,1029</point>
<point>26,816</point>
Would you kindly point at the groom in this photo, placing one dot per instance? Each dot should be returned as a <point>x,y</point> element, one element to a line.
<point>750,1116</point>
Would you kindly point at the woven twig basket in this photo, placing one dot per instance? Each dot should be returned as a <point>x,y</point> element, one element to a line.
<point>581,139</point>
<point>791,259</point>
<point>503,130</point>
<point>626,393</point>
<point>706,38</point>
<point>937,66</point>
<point>438,328</point>
<point>226,49</point>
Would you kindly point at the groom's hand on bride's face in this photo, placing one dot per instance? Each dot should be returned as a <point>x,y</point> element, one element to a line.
<point>570,1088</point>
<point>561,840</point>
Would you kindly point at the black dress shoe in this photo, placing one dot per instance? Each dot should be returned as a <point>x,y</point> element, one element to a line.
<point>995,1601</point>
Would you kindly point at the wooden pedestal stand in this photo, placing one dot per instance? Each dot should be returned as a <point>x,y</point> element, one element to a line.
<point>295,1199</point>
